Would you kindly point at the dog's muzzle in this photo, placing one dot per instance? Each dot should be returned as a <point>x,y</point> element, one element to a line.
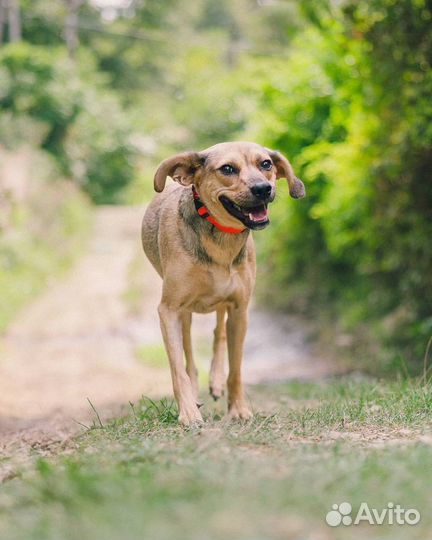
<point>254,216</point>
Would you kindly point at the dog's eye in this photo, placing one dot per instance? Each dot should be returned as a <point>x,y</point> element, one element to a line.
<point>266,164</point>
<point>227,170</point>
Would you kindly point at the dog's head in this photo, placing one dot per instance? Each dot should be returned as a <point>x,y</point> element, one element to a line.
<point>235,180</point>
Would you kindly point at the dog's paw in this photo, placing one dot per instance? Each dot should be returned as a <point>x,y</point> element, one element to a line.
<point>217,390</point>
<point>190,418</point>
<point>239,411</point>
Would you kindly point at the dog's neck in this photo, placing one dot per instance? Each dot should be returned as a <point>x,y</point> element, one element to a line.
<point>205,242</point>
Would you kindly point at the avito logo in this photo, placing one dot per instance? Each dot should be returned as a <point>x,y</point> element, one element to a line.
<point>341,514</point>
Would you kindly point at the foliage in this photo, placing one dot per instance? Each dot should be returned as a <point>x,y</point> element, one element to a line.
<point>351,107</point>
<point>79,121</point>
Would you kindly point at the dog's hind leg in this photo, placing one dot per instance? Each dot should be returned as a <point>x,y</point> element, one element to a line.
<point>191,368</point>
<point>171,326</point>
<point>217,370</point>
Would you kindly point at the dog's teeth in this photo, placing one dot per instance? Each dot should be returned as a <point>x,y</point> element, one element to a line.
<point>259,215</point>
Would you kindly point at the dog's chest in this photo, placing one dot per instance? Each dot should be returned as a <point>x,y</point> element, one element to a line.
<point>216,287</point>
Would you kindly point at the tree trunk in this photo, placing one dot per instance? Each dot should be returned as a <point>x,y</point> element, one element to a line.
<point>14,20</point>
<point>71,26</point>
<point>2,20</point>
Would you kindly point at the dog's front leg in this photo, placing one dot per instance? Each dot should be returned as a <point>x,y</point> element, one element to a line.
<point>171,326</point>
<point>191,369</point>
<point>236,333</point>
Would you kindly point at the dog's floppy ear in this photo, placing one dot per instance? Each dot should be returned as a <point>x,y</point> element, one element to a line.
<point>284,170</point>
<point>181,168</point>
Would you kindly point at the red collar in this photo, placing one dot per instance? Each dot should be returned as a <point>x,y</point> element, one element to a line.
<point>204,213</point>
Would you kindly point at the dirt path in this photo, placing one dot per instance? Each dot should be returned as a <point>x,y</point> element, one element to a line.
<point>79,341</point>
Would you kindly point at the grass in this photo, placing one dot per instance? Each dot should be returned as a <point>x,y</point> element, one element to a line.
<point>152,355</point>
<point>308,446</point>
<point>135,294</point>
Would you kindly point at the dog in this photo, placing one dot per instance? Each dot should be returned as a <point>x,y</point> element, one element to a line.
<point>197,236</point>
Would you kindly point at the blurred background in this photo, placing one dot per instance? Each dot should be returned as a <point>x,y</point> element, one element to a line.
<point>93,94</point>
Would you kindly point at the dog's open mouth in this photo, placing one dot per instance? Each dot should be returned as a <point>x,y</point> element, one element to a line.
<point>253,217</point>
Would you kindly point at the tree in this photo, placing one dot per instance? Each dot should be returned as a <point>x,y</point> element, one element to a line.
<point>10,18</point>
<point>72,25</point>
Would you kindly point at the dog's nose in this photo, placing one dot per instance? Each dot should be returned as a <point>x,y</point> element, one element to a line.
<point>261,190</point>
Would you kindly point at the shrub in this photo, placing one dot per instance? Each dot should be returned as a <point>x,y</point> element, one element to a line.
<point>350,106</point>
<point>45,100</point>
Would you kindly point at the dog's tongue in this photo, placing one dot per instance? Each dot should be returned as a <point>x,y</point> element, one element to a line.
<point>258,215</point>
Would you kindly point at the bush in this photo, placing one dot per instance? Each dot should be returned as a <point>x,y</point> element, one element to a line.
<point>350,106</point>
<point>45,100</point>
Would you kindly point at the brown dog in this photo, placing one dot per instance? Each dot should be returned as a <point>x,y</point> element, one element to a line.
<point>196,235</point>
